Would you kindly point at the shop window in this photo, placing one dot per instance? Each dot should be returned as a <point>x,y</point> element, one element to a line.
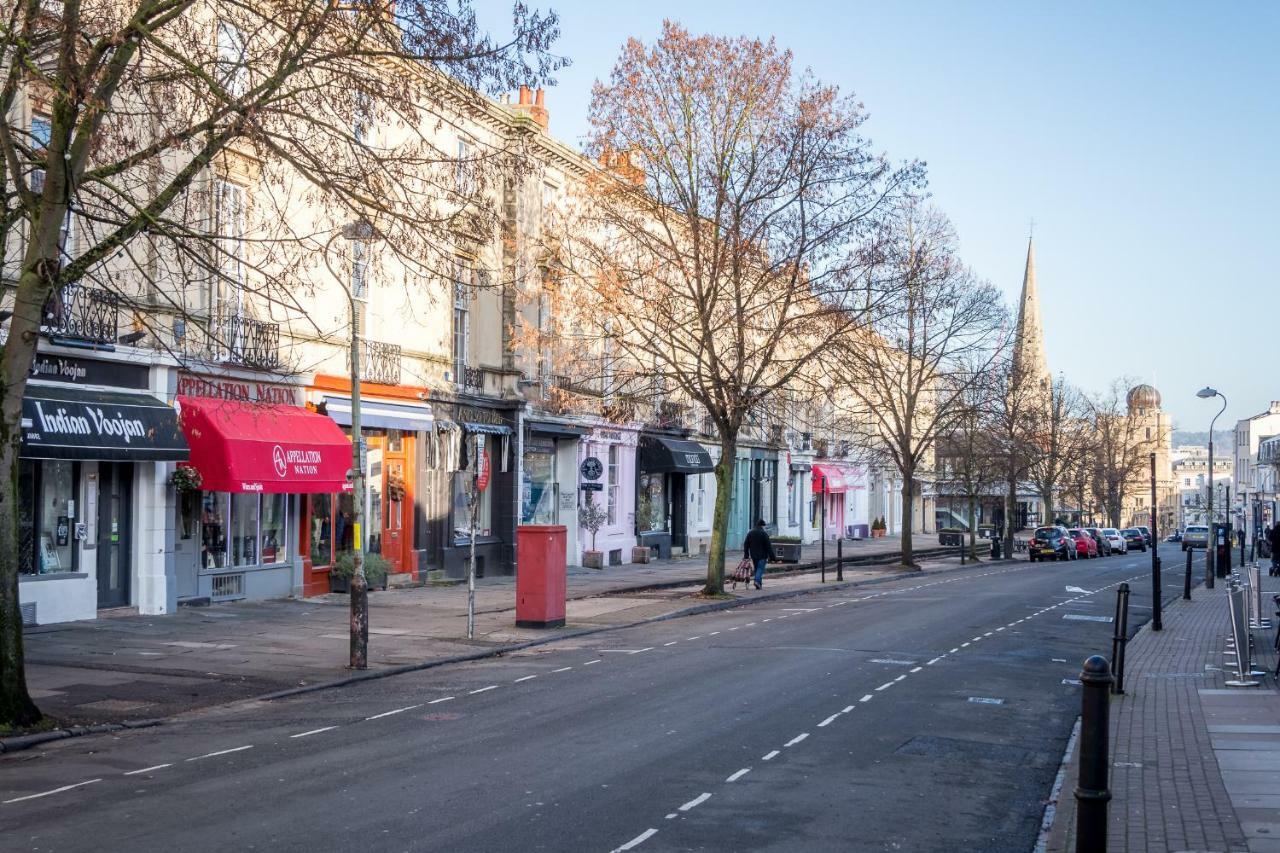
<point>243,529</point>
<point>538,490</point>
<point>46,515</point>
<point>462,508</point>
<point>651,508</point>
<point>395,441</point>
<point>613,486</point>
<point>702,498</point>
<point>274,531</point>
<point>793,498</point>
<point>213,530</point>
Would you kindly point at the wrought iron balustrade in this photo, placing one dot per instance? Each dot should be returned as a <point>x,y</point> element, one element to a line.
<point>231,338</point>
<point>472,378</point>
<point>82,313</point>
<point>380,362</point>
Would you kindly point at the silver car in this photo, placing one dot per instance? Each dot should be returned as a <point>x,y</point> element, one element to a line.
<point>1195,536</point>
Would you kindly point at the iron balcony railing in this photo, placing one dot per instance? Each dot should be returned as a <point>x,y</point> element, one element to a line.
<point>380,362</point>
<point>231,338</point>
<point>472,378</point>
<point>82,313</point>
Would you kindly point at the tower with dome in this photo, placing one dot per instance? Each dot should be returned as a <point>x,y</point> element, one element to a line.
<point>1153,429</point>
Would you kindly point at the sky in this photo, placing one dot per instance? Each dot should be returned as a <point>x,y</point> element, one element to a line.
<point>1141,139</point>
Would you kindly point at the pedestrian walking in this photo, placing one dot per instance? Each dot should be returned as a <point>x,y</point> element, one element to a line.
<point>1273,537</point>
<point>759,550</point>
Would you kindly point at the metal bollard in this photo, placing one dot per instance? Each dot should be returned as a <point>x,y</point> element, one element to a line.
<point>1092,791</point>
<point>822,551</point>
<point>962,550</point>
<point>1120,638</point>
<point>1186,581</point>
<point>840,559</point>
<point>1208,567</point>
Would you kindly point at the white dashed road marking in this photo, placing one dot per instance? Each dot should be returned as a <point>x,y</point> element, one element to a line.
<point>637,841</point>
<point>447,698</point>
<point>769,756</point>
<point>163,766</point>
<point>389,713</point>
<point>695,802</point>
<point>299,734</point>
<point>54,791</point>
<point>795,740</point>
<point>483,689</point>
<point>736,776</point>
<point>221,752</point>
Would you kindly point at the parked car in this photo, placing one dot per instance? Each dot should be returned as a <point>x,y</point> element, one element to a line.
<point>1085,546</point>
<point>1115,540</point>
<point>1176,536</point>
<point>1146,533</point>
<point>1104,544</point>
<point>1134,539</point>
<point>1051,543</point>
<point>1195,536</point>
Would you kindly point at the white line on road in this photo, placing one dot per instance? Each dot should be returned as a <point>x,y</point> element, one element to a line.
<point>299,734</point>
<point>847,709</point>
<point>770,756</point>
<point>483,689</point>
<point>588,663</point>
<point>47,793</point>
<point>221,752</point>
<point>976,639</point>
<point>965,645</point>
<point>637,841</point>
<point>935,660</point>
<point>795,740</point>
<point>953,651</point>
<point>735,627</point>
<point>916,668</point>
<point>866,698</point>
<point>736,776</point>
<point>828,721</point>
<point>696,801</point>
<point>900,677</point>
<point>562,669</point>
<point>713,633</point>
<point>163,766</point>
<point>447,698</point>
<point>884,686</point>
<point>389,713</point>
<point>672,643</point>
<point>518,680</point>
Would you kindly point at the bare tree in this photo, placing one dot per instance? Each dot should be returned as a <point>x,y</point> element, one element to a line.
<point>967,454</point>
<point>1117,448</point>
<point>719,250</point>
<point>1019,400</point>
<point>1061,432</point>
<point>117,115</point>
<point>926,343</point>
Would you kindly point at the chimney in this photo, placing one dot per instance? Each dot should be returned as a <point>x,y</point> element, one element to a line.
<point>527,105</point>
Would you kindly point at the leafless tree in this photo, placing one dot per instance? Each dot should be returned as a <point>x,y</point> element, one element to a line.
<point>1061,433</point>
<point>966,459</point>
<point>117,115</point>
<point>1117,448</point>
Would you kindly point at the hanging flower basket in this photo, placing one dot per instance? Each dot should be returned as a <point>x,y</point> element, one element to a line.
<point>186,479</point>
<point>395,487</point>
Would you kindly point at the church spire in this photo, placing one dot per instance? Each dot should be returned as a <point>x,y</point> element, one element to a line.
<point>1028,346</point>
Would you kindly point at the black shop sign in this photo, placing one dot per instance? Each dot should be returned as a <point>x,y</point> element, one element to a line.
<point>84,371</point>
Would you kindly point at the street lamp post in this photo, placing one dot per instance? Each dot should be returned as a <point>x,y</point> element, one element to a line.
<point>1207,393</point>
<point>1156,593</point>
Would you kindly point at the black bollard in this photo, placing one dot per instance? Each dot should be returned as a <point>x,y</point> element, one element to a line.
<point>822,551</point>
<point>1120,638</point>
<point>1186,582</point>
<point>1208,566</point>
<point>840,559</point>
<point>1092,792</point>
<point>962,550</point>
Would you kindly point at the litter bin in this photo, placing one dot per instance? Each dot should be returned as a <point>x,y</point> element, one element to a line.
<point>540,575</point>
<point>995,549</point>
<point>1222,548</point>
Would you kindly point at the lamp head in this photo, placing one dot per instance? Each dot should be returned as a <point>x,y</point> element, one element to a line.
<point>1206,392</point>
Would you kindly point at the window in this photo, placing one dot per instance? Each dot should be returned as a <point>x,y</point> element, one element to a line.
<point>651,509</point>
<point>321,530</point>
<point>464,167</point>
<point>229,222</point>
<point>462,508</point>
<point>46,515</point>
<point>359,270</point>
<point>613,486</point>
<point>233,71</point>
<point>702,499</point>
<point>461,317</point>
<point>243,529</point>
<point>41,136</point>
<point>360,118</point>
<point>274,530</point>
<point>793,498</point>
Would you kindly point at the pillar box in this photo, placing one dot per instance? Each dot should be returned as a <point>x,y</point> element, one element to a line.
<point>540,575</point>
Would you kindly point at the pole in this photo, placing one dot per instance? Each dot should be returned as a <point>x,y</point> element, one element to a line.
<point>359,583</point>
<point>471,560</point>
<point>822,530</point>
<point>1119,637</point>
<point>1244,523</point>
<point>840,558</point>
<point>1186,582</point>
<point>1213,544</point>
<point>1156,598</point>
<point>1092,792</point>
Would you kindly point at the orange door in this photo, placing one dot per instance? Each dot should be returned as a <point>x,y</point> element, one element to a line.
<point>397,497</point>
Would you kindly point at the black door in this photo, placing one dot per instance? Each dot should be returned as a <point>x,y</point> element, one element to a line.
<point>679,511</point>
<point>115,522</point>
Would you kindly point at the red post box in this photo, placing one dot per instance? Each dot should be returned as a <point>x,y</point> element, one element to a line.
<point>540,575</point>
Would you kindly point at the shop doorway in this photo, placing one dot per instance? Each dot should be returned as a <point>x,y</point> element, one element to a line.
<point>115,526</point>
<point>679,511</point>
<point>389,498</point>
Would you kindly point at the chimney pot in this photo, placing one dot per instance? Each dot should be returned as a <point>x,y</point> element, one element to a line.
<point>540,97</point>
<point>525,95</point>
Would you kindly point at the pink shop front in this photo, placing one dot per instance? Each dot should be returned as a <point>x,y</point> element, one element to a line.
<point>613,450</point>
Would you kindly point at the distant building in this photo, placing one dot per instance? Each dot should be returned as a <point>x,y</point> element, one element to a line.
<point>1250,481</point>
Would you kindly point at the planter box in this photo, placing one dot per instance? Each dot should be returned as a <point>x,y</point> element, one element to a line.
<point>339,583</point>
<point>640,554</point>
<point>593,559</point>
<point>788,552</point>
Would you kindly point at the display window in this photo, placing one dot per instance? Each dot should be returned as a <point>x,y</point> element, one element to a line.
<point>462,508</point>
<point>243,529</point>
<point>651,507</point>
<point>538,490</point>
<point>47,515</point>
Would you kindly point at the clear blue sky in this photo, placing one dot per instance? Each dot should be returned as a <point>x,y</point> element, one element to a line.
<point>1141,137</point>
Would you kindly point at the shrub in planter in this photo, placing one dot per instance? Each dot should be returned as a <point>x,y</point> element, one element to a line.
<point>787,548</point>
<point>375,570</point>
<point>591,517</point>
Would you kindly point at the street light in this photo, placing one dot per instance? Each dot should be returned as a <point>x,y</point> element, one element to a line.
<point>1207,393</point>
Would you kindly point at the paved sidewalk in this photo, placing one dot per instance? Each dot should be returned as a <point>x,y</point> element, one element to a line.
<point>141,667</point>
<point>1195,764</point>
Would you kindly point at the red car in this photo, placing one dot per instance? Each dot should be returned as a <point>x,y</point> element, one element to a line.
<point>1085,546</point>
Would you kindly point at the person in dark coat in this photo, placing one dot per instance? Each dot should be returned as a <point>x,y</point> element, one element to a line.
<point>759,549</point>
<point>1274,536</point>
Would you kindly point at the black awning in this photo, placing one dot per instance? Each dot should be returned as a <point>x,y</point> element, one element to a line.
<point>660,453</point>
<point>74,423</point>
<point>560,430</point>
<point>801,467</point>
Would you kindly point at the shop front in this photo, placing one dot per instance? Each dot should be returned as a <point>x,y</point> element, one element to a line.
<point>548,477</point>
<point>606,477</point>
<point>257,477</point>
<point>88,459</point>
<point>793,495</point>
<point>392,428</point>
<point>829,489</point>
<point>664,466</point>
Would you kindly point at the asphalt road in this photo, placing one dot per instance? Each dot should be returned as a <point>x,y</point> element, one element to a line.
<point>929,713</point>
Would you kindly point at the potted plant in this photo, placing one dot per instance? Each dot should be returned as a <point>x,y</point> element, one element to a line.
<point>186,479</point>
<point>787,548</point>
<point>877,528</point>
<point>344,568</point>
<point>950,536</point>
<point>591,517</point>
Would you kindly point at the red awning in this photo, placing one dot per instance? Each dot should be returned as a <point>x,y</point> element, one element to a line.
<point>828,478</point>
<point>264,447</point>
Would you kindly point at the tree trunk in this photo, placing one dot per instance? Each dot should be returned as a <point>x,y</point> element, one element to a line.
<point>973,534</point>
<point>908,517</point>
<point>1010,507</point>
<point>720,520</point>
<point>1047,500</point>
